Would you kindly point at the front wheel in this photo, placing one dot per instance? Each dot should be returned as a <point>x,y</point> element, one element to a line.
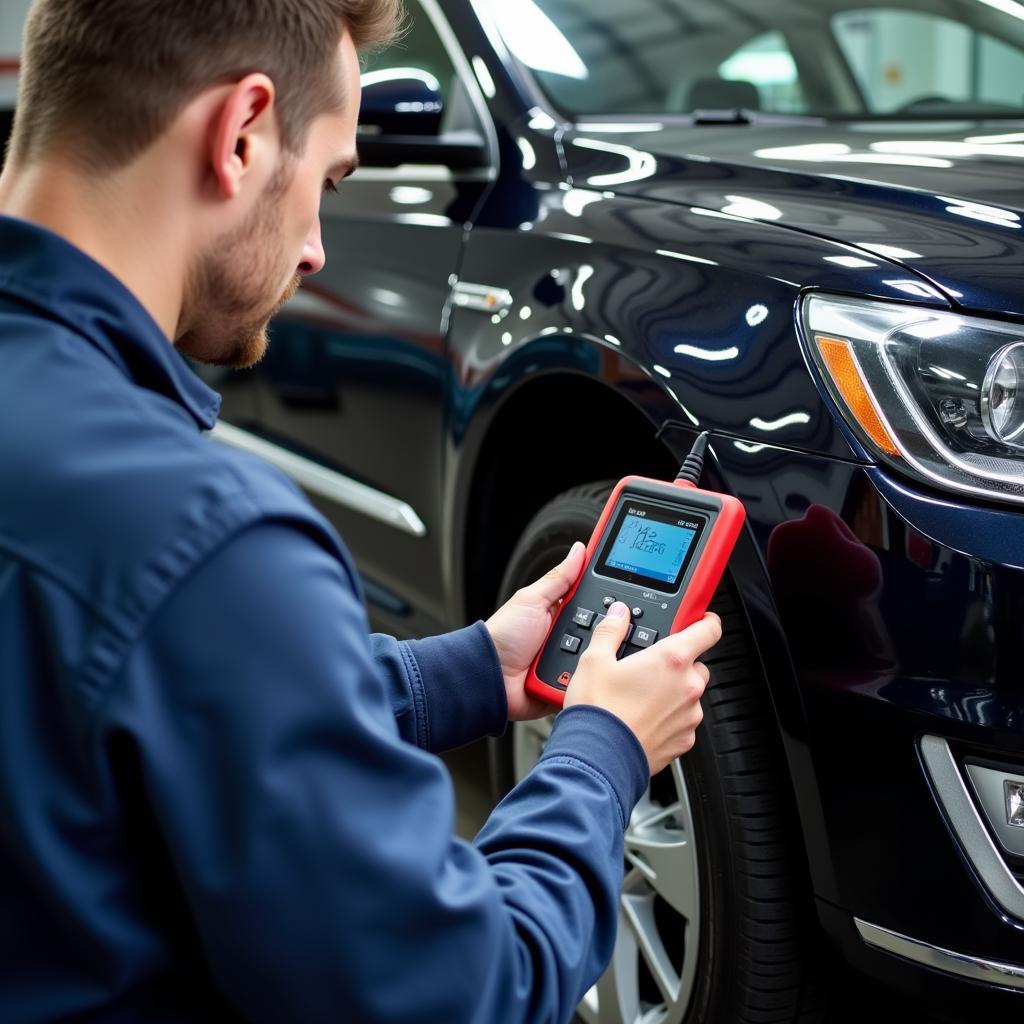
<point>714,912</point>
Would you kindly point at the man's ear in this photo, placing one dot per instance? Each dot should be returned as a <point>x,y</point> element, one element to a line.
<point>244,133</point>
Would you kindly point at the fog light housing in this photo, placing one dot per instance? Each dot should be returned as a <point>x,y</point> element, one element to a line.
<point>1014,793</point>
<point>999,791</point>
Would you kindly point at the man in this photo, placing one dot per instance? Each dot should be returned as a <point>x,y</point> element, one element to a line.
<point>217,793</point>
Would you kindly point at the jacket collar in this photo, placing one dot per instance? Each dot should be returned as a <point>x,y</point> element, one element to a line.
<point>44,271</point>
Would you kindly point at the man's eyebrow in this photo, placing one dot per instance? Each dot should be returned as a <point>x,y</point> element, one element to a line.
<point>347,166</point>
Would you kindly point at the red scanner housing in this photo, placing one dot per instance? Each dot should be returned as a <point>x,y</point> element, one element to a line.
<point>723,515</point>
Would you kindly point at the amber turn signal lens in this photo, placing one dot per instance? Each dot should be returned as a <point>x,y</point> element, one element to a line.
<point>842,365</point>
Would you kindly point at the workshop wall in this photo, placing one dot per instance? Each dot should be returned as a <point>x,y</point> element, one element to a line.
<point>12,19</point>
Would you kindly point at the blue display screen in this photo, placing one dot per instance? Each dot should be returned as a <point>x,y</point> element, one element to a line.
<point>649,547</point>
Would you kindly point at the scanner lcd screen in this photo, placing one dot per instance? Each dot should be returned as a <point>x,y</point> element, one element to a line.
<point>651,545</point>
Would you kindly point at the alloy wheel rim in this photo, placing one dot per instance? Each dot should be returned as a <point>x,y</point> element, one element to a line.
<point>653,970</point>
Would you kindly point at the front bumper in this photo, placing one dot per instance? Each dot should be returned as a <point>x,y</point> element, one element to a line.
<point>901,615</point>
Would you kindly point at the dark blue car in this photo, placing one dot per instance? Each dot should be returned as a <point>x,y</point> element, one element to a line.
<point>586,230</point>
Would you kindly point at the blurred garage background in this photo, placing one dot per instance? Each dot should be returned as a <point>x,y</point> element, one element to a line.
<point>948,59</point>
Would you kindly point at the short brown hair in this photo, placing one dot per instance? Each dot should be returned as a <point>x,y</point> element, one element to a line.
<point>102,79</point>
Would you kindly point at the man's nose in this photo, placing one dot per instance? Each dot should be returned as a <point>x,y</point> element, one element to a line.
<point>313,258</point>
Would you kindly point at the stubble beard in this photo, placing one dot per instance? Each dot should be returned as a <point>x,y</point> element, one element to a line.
<point>226,308</point>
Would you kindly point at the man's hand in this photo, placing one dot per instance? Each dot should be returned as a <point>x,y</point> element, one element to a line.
<point>521,625</point>
<point>657,691</point>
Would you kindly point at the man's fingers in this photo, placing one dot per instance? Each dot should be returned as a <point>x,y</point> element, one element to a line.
<point>610,634</point>
<point>687,646</point>
<point>554,584</point>
<point>697,639</point>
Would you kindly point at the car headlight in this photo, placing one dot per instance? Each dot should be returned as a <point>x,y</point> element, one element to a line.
<point>932,393</point>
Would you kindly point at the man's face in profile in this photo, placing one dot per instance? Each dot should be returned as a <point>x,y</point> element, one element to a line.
<point>234,290</point>
<point>243,277</point>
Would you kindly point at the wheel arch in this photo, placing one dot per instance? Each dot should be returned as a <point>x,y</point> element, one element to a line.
<point>522,457</point>
<point>550,432</point>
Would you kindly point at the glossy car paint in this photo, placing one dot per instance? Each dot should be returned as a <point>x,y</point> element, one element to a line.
<point>655,277</point>
<point>950,212</point>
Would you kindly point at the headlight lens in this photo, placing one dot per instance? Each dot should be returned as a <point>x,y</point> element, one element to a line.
<point>933,393</point>
<point>1002,400</point>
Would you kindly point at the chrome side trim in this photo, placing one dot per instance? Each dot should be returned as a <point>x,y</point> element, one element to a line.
<point>966,822</point>
<point>976,968</point>
<point>326,483</point>
<point>481,297</point>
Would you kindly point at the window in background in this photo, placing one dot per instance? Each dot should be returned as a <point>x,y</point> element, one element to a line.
<point>794,57</point>
<point>908,60</point>
<point>767,64</point>
<point>668,56</point>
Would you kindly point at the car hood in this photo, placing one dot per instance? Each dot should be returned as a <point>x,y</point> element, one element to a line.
<point>944,200</point>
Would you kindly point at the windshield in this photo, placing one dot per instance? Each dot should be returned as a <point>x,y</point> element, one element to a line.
<point>825,58</point>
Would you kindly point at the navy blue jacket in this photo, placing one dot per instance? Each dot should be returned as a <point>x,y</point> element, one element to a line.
<point>218,793</point>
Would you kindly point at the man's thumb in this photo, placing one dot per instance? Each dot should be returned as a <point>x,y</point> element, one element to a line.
<point>557,581</point>
<point>611,632</point>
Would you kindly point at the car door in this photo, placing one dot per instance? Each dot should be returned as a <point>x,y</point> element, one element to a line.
<point>351,392</point>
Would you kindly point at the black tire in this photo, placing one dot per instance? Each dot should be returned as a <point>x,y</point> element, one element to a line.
<point>757,956</point>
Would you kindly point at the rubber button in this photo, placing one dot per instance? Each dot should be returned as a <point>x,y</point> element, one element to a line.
<point>583,617</point>
<point>643,637</point>
<point>570,644</point>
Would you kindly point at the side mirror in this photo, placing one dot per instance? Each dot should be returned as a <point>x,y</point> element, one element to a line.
<point>400,123</point>
<point>401,101</point>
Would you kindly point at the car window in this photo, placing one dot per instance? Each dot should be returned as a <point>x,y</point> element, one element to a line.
<point>829,58</point>
<point>767,63</point>
<point>955,63</point>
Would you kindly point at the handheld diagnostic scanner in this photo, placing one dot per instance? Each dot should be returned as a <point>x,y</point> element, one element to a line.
<point>661,548</point>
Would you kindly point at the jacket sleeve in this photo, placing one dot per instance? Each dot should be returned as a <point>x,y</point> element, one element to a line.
<point>445,691</point>
<point>314,847</point>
